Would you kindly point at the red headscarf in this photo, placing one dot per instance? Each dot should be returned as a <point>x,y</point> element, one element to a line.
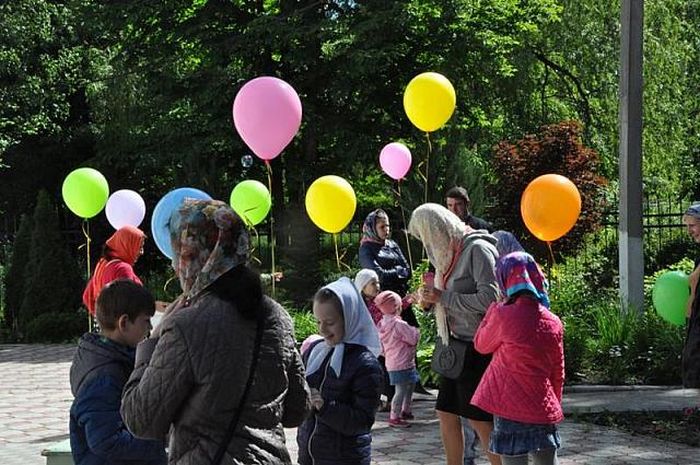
<point>125,246</point>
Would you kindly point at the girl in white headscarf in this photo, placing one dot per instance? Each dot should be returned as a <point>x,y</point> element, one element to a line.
<point>465,285</point>
<point>345,380</point>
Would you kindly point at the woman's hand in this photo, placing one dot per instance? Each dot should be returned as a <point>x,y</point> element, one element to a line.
<point>170,309</point>
<point>161,306</point>
<point>430,295</point>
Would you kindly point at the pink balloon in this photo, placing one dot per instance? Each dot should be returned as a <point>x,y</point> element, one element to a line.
<point>267,115</point>
<point>125,208</point>
<point>395,160</point>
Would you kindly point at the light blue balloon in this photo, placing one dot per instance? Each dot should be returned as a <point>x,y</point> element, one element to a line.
<point>161,215</point>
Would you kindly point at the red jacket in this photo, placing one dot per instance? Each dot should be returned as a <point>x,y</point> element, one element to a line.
<point>525,378</point>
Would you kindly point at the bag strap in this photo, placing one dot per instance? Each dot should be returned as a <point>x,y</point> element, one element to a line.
<point>237,414</point>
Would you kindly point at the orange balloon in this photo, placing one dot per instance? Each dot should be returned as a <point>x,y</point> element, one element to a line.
<point>550,206</point>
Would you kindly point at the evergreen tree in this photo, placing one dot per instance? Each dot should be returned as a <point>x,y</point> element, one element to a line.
<point>15,277</point>
<point>53,281</point>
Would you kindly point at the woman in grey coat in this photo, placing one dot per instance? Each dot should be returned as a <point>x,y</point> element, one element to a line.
<point>191,377</point>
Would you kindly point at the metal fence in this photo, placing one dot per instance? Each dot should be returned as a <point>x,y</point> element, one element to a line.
<point>665,239</point>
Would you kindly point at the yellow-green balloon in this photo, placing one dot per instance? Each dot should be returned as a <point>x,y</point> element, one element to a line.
<point>330,203</point>
<point>251,200</point>
<point>85,192</point>
<point>670,296</point>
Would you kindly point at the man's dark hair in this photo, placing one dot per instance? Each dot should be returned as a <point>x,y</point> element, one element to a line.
<point>458,192</point>
<point>123,297</point>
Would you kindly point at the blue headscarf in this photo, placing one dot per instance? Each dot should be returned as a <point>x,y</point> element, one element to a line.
<point>507,243</point>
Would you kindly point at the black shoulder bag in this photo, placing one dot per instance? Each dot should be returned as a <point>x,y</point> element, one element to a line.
<point>237,415</point>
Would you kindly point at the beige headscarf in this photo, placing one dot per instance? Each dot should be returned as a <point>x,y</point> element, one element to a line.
<point>441,233</point>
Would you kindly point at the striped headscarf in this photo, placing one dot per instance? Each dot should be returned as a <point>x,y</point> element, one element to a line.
<point>517,272</point>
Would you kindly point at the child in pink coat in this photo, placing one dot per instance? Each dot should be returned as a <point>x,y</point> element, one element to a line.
<point>522,386</point>
<point>399,341</point>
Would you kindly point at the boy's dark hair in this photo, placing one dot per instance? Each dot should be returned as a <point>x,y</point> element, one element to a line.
<point>458,192</point>
<point>123,297</point>
<point>324,295</point>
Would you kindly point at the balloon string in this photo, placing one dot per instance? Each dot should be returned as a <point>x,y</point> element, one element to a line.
<point>405,226</point>
<point>170,280</point>
<point>335,244</point>
<point>272,229</point>
<point>427,167</point>
<point>86,232</point>
<point>552,263</point>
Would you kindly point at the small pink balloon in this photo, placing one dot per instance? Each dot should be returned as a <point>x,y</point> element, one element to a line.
<point>267,115</point>
<point>395,160</point>
<point>125,208</point>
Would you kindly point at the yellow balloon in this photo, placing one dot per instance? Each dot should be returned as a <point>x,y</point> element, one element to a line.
<point>429,101</point>
<point>330,203</point>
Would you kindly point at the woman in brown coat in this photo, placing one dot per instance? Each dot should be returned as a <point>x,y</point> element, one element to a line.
<point>195,374</point>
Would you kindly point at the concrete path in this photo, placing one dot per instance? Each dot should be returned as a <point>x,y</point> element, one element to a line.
<point>35,398</point>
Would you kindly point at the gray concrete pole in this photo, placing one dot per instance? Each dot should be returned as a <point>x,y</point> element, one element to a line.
<point>630,208</point>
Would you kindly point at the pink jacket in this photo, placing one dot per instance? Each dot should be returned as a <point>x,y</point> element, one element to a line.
<point>399,341</point>
<point>525,378</point>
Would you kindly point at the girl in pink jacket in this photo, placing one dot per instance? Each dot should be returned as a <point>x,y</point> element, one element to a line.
<point>399,341</point>
<point>522,386</point>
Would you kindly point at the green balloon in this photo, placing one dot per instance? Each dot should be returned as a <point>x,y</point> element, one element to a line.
<point>85,192</point>
<point>670,296</point>
<point>251,200</point>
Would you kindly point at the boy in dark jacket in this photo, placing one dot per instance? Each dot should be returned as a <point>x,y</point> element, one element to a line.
<point>101,366</point>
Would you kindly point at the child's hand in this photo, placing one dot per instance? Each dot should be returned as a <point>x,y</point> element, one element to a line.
<point>316,399</point>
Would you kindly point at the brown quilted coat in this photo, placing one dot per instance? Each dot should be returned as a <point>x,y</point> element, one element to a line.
<point>197,374</point>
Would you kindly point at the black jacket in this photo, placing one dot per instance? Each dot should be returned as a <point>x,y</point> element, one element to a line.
<point>691,349</point>
<point>389,263</point>
<point>339,433</point>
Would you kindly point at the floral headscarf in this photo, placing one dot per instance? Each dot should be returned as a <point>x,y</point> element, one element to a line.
<point>208,240</point>
<point>369,228</point>
<point>442,234</point>
<point>518,271</point>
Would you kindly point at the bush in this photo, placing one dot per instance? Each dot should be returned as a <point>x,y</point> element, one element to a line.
<point>57,327</point>
<point>15,274</point>
<point>304,324</point>
<point>556,148</point>
<point>602,343</point>
<point>53,283</point>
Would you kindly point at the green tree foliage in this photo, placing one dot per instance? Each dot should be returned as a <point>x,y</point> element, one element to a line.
<point>52,280</point>
<point>44,62</point>
<point>15,277</point>
<point>557,149</point>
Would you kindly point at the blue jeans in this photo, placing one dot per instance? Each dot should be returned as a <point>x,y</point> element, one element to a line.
<point>514,440</point>
<point>470,440</point>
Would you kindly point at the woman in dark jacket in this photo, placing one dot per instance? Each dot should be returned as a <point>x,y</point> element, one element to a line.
<point>691,347</point>
<point>384,256</point>
<point>345,378</point>
<point>218,336</point>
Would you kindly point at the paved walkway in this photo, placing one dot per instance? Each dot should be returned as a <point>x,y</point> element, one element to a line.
<point>35,398</point>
